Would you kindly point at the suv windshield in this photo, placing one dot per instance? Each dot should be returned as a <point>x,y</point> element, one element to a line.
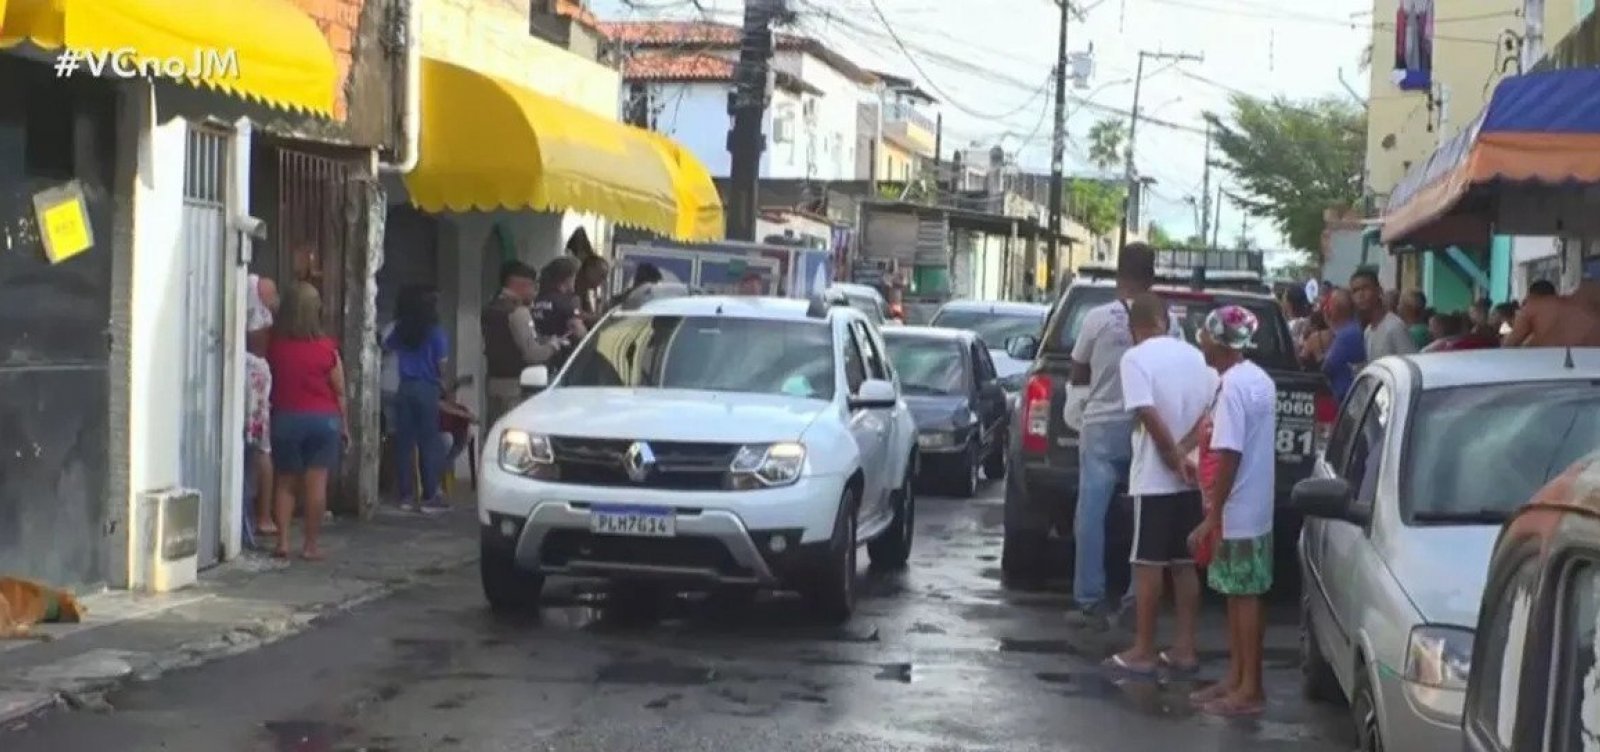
<point>994,328</point>
<point>1465,473</point>
<point>1272,349</point>
<point>714,353</point>
<point>928,366</point>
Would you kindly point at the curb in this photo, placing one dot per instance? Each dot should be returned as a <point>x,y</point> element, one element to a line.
<point>22,705</point>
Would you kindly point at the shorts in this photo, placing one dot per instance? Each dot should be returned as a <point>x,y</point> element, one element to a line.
<point>1242,566</point>
<point>305,441</point>
<point>1161,527</point>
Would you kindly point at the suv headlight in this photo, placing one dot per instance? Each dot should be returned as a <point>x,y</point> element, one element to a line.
<point>766,465</point>
<point>528,455</point>
<point>1439,657</point>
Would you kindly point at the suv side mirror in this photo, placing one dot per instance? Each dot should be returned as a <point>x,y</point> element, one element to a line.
<point>1328,498</point>
<point>1022,347</point>
<point>874,394</point>
<point>535,378</point>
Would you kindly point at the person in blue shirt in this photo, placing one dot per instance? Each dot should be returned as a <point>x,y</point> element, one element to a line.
<point>420,350</point>
<point>1348,351</point>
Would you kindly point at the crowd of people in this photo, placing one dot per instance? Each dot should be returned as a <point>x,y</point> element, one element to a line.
<point>1346,327</point>
<point>1188,427</point>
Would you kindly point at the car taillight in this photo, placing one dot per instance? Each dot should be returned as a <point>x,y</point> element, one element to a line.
<point>1327,413</point>
<point>1036,414</point>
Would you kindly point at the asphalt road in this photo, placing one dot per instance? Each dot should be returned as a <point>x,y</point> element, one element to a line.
<point>938,658</point>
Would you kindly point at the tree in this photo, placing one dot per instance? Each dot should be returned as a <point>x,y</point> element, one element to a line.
<point>1299,266</point>
<point>1095,204</point>
<point>1159,238</point>
<point>1294,160</point>
<point>1108,143</point>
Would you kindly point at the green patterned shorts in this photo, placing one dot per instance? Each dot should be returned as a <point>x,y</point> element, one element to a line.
<point>1242,566</point>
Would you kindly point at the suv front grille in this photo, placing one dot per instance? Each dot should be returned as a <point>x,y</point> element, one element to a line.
<point>679,465</point>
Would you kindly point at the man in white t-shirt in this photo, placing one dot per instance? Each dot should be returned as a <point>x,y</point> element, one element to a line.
<point>1105,443</point>
<point>1243,424</point>
<point>1167,386</point>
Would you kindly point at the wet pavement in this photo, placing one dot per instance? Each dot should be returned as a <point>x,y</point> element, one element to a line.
<point>938,658</point>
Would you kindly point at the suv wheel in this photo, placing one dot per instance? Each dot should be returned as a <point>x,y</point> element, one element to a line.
<point>508,589</point>
<point>994,466</point>
<point>833,591</point>
<point>1317,680</point>
<point>893,548</point>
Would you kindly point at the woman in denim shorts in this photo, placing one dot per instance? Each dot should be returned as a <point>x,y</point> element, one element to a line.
<point>309,431</point>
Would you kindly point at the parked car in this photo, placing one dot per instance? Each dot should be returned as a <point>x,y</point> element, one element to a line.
<point>960,408</point>
<point>997,322</point>
<point>863,298</point>
<point>1429,456</point>
<point>1532,684</point>
<point>731,442</point>
<point>1042,486</point>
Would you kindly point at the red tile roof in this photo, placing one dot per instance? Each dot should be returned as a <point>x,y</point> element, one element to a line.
<point>687,35</point>
<point>676,66</point>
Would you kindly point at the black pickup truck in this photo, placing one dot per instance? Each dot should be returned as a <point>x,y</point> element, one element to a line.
<point>1042,454</point>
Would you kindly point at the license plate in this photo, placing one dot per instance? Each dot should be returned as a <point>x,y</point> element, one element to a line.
<point>1297,423</point>
<point>645,522</point>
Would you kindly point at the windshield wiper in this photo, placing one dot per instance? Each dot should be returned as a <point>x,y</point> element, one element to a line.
<point>1485,516</point>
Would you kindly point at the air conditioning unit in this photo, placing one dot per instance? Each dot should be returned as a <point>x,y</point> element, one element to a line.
<point>164,540</point>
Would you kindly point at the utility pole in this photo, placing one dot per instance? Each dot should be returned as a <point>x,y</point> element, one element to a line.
<point>1205,191</point>
<point>748,104</point>
<point>1133,134</point>
<point>1216,224</point>
<point>1058,152</point>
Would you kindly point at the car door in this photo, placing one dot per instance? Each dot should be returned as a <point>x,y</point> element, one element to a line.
<point>1348,556</point>
<point>988,399</point>
<point>869,428</point>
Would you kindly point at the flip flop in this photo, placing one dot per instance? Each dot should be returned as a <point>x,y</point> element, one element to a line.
<point>1228,709</point>
<point>1208,695</point>
<point>1184,669</point>
<point>1116,663</point>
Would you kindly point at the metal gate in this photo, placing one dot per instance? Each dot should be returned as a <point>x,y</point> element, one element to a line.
<point>312,195</point>
<point>205,254</point>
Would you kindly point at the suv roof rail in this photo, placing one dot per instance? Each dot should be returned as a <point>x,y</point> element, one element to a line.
<point>826,300</point>
<point>1199,268</point>
<point>657,291</point>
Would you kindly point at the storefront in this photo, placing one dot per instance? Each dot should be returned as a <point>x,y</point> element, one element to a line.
<point>123,343</point>
<point>1527,166</point>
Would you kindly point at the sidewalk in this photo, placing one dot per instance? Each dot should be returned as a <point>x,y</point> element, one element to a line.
<point>236,607</point>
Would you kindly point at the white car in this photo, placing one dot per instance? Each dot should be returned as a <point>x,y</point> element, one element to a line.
<point>735,443</point>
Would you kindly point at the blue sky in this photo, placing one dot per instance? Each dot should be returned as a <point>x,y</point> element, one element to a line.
<point>990,59</point>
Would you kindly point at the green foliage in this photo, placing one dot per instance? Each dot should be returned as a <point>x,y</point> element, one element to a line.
<point>1108,143</point>
<point>1095,204</point>
<point>1294,160</point>
<point>1159,238</point>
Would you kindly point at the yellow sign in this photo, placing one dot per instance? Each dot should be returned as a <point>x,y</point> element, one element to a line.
<point>63,222</point>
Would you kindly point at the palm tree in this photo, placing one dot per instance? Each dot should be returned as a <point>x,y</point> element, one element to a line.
<point>1108,143</point>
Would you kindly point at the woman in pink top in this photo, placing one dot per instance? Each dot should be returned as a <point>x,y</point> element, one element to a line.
<point>309,431</point>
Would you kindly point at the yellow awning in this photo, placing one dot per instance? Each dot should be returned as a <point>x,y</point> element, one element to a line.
<point>263,50</point>
<point>700,214</point>
<point>490,144</point>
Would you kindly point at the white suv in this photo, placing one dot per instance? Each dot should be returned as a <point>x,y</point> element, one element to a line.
<point>734,442</point>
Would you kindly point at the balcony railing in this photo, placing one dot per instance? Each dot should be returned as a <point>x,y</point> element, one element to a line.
<point>900,112</point>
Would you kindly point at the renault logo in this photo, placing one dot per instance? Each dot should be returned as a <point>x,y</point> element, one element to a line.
<point>639,461</point>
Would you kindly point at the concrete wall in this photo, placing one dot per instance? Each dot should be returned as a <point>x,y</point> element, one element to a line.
<point>156,386</point>
<point>835,130</point>
<point>492,36</point>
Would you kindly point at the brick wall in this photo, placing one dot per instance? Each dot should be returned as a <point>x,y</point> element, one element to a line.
<point>340,21</point>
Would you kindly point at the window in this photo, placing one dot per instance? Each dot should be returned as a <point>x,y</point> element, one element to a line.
<point>1350,414</point>
<point>1273,347</point>
<point>983,364</point>
<point>792,358</point>
<point>1578,683</point>
<point>1506,635</point>
<point>855,369</point>
<point>1366,449</point>
<point>928,366</point>
<point>877,368</point>
<point>995,329</point>
<point>1477,475</point>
